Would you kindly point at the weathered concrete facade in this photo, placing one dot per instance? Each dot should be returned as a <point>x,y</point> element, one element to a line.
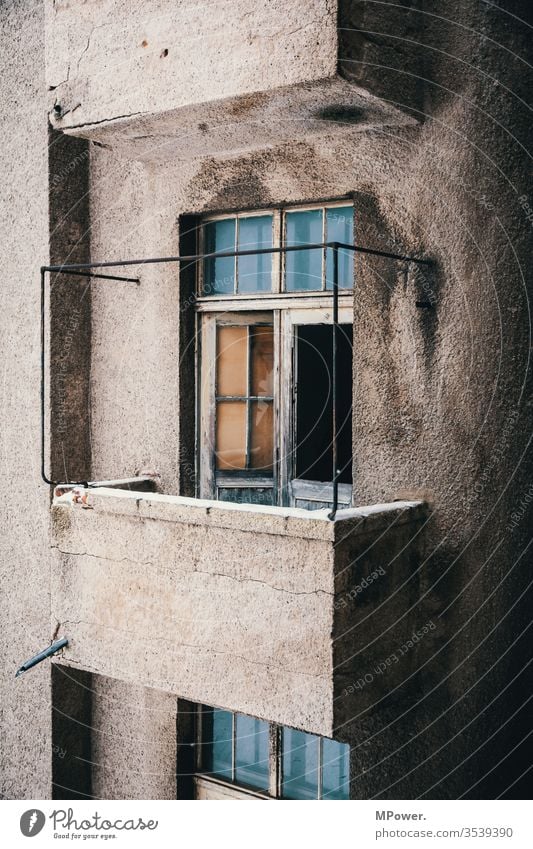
<point>175,605</point>
<point>417,112</point>
<point>24,550</point>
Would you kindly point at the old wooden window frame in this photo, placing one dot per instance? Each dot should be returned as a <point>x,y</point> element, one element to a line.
<point>211,479</point>
<point>285,310</point>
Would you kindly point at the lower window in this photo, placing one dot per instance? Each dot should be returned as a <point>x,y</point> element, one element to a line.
<point>243,756</point>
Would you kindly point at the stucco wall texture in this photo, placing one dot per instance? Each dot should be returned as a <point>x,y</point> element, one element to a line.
<point>25,710</point>
<point>442,395</point>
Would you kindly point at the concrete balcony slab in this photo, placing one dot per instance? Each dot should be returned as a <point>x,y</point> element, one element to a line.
<point>241,607</point>
<point>187,80</point>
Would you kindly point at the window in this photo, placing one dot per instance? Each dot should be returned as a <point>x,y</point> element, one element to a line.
<point>244,396</point>
<point>313,767</point>
<point>265,429</point>
<point>302,271</point>
<point>263,758</point>
<point>238,275</point>
<point>236,748</point>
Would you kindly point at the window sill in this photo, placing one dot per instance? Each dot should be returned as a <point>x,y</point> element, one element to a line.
<point>273,300</point>
<point>209,787</point>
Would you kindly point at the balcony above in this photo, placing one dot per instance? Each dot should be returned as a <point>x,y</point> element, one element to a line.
<point>248,608</point>
<point>185,80</point>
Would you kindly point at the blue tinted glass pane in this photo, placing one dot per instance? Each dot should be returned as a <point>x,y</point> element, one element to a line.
<point>300,765</point>
<point>219,274</point>
<point>335,770</point>
<point>303,268</point>
<point>251,752</point>
<point>255,272</point>
<point>217,742</point>
<point>339,228</point>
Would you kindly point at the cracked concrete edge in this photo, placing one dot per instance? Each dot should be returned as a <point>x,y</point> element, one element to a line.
<point>179,645</point>
<point>329,90</point>
<point>211,574</point>
<point>279,521</point>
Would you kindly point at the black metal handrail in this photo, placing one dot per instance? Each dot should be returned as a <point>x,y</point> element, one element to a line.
<point>84,270</point>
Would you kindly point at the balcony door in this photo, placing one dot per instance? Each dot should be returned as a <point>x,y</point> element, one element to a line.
<point>266,423</point>
<point>306,415</point>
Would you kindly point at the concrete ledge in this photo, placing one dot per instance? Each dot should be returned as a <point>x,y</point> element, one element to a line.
<point>243,124</point>
<point>288,521</point>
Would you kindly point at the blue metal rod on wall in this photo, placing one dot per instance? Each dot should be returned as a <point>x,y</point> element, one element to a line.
<point>42,655</point>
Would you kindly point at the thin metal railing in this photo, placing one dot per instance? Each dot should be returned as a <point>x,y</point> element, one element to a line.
<point>84,269</point>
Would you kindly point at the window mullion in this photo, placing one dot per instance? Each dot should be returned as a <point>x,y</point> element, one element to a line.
<point>274,758</point>
<point>200,733</point>
<point>236,258</point>
<point>200,270</point>
<point>277,258</point>
<point>324,250</point>
<point>283,256</point>
<point>233,743</point>
<point>276,453</point>
<point>319,777</point>
<point>248,393</point>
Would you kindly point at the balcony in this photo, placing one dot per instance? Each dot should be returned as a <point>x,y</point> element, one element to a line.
<point>187,81</point>
<point>268,611</point>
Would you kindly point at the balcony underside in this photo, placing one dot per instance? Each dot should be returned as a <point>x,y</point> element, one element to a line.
<point>244,123</point>
<point>246,608</point>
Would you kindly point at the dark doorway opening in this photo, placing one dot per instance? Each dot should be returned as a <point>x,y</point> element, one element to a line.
<point>314,406</point>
